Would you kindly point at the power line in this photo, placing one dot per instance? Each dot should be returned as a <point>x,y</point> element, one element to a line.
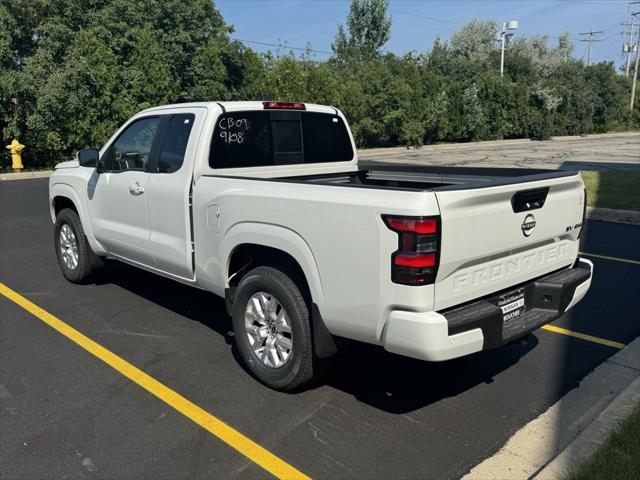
<point>613,48</point>
<point>426,17</point>
<point>282,45</point>
<point>452,22</point>
<point>603,54</point>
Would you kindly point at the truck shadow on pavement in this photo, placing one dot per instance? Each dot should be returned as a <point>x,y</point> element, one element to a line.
<point>389,382</point>
<point>189,302</point>
<point>397,384</point>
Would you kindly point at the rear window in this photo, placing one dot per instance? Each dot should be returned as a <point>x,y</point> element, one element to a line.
<point>262,138</point>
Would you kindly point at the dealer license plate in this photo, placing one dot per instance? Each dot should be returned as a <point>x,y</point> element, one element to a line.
<point>511,304</point>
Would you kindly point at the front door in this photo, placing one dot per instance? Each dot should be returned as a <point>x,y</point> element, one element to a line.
<point>117,197</point>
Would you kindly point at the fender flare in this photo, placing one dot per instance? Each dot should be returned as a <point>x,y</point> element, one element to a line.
<point>279,238</point>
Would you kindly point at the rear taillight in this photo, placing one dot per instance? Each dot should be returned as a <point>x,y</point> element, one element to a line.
<point>284,106</point>
<point>416,260</point>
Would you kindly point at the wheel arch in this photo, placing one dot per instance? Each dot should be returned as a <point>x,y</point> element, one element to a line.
<point>62,196</point>
<point>60,202</point>
<point>282,248</point>
<point>247,256</point>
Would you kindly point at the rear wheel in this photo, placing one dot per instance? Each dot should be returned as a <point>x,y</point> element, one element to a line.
<point>75,257</point>
<point>272,329</point>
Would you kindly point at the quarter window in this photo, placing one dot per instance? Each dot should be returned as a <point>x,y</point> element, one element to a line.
<point>174,142</point>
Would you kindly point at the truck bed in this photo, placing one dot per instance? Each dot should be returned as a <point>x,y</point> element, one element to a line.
<point>417,178</point>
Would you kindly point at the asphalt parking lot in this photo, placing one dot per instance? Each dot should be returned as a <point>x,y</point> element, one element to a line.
<point>609,151</point>
<point>66,414</point>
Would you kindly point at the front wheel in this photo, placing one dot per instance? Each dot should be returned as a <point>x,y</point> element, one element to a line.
<point>272,329</point>
<point>75,257</point>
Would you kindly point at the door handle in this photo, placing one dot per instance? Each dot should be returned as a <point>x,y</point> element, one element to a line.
<point>136,188</point>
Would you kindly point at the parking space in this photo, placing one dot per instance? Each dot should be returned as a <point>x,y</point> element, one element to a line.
<point>67,416</point>
<point>64,412</point>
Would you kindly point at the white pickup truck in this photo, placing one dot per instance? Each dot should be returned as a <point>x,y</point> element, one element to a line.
<point>265,204</point>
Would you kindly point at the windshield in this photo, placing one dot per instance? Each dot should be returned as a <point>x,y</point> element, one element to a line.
<point>262,138</point>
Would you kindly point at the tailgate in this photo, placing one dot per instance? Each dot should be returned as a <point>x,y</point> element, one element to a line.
<point>497,237</point>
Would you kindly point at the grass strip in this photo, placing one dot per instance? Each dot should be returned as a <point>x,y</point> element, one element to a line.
<point>620,190</point>
<point>618,457</point>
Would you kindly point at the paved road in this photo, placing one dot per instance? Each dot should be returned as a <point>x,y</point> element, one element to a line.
<point>594,152</point>
<point>63,413</point>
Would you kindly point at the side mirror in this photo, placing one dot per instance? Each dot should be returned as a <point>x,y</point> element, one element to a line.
<point>88,157</point>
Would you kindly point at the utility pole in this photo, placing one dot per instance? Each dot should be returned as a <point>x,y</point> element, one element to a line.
<point>628,46</point>
<point>635,70</point>
<point>591,38</point>
<point>506,28</point>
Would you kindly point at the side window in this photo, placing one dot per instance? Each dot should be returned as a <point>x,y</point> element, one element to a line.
<point>174,142</point>
<point>132,149</point>
<point>325,138</point>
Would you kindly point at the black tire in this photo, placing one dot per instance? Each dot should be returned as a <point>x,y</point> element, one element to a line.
<point>88,261</point>
<point>298,371</point>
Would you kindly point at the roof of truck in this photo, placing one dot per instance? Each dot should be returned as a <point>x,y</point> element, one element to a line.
<point>238,106</point>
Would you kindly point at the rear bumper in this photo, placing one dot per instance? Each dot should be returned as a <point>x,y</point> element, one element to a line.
<point>479,325</point>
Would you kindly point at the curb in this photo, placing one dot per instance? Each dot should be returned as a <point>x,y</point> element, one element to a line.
<point>583,447</point>
<point>582,417</point>
<point>613,215</point>
<point>25,175</point>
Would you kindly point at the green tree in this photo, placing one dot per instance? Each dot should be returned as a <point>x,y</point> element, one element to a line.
<point>148,76</point>
<point>368,29</point>
<point>475,39</point>
<point>79,68</point>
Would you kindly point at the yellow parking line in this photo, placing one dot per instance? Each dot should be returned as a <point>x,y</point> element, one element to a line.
<point>250,449</point>
<point>584,336</point>
<point>605,257</point>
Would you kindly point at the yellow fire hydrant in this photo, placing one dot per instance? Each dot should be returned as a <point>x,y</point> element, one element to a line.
<point>15,148</point>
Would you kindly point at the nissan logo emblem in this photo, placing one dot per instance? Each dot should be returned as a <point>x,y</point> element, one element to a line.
<point>528,225</point>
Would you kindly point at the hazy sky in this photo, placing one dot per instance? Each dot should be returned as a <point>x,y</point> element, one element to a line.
<point>296,22</point>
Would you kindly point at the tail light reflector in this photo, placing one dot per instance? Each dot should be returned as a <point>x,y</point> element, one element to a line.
<point>416,260</point>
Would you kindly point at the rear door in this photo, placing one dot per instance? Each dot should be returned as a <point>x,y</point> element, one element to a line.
<point>496,237</point>
<point>169,190</point>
